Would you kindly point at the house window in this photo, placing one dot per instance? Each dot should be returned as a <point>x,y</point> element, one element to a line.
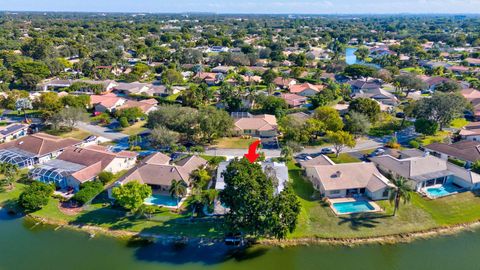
<point>385,193</point>
<point>333,192</point>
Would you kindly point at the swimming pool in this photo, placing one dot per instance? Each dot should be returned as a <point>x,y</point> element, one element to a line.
<point>352,207</point>
<point>164,200</point>
<point>443,190</point>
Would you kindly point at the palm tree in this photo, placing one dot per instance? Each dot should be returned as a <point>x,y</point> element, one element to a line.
<point>200,177</point>
<point>178,189</point>
<point>401,191</point>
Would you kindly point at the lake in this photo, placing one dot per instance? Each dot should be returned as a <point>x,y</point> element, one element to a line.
<point>350,57</point>
<point>26,246</point>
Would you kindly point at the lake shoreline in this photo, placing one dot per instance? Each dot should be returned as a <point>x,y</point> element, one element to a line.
<point>354,241</point>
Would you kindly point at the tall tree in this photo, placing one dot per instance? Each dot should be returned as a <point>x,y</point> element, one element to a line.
<point>131,195</point>
<point>340,140</point>
<point>401,191</point>
<point>178,189</point>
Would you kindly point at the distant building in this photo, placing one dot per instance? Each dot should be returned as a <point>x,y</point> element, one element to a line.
<point>158,171</point>
<point>76,165</point>
<point>264,125</point>
<point>276,170</point>
<point>34,149</point>
<point>12,132</point>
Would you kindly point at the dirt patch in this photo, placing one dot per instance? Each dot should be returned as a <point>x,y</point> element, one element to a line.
<point>70,209</point>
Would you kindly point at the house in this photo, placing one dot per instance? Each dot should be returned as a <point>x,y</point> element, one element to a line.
<point>209,78</point>
<point>76,165</point>
<point>55,84</point>
<point>433,82</point>
<point>473,61</point>
<point>158,171</point>
<point>459,69</point>
<point>12,132</point>
<point>466,151</point>
<point>106,103</point>
<point>284,83</point>
<point>305,89</point>
<point>377,94</point>
<point>277,170</point>
<point>222,69</point>
<point>347,179</point>
<point>34,149</point>
<point>264,125</point>
<point>471,132</point>
<point>251,79</point>
<point>217,49</point>
<point>294,100</point>
<point>473,96</point>
<point>426,171</point>
<point>146,105</point>
<point>358,85</point>
<point>135,88</point>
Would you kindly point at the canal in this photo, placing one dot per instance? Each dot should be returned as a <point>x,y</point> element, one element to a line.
<point>25,245</point>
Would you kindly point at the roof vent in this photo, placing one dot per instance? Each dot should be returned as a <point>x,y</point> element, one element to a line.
<point>172,169</point>
<point>426,154</point>
<point>337,174</point>
<point>21,142</point>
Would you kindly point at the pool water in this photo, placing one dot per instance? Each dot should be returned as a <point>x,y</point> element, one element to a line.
<point>164,200</point>
<point>443,190</point>
<point>353,207</point>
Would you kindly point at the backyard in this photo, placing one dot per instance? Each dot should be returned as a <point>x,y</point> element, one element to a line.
<point>318,220</point>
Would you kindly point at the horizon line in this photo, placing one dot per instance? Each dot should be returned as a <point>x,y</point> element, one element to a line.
<point>240,13</point>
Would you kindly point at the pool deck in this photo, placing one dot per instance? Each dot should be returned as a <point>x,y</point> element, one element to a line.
<point>167,194</point>
<point>424,192</point>
<point>376,207</point>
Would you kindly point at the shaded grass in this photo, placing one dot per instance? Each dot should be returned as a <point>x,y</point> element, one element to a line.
<point>135,129</point>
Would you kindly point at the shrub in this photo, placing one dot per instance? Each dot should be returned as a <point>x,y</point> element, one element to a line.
<point>35,196</point>
<point>393,143</point>
<point>426,127</point>
<point>105,177</point>
<point>88,191</point>
<point>123,122</point>
<point>414,144</point>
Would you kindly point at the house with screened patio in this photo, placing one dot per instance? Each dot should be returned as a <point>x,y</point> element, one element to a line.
<point>34,149</point>
<point>76,165</point>
<point>429,175</point>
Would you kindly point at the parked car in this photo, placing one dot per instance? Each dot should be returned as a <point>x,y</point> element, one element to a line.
<point>304,157</point>
<point>327,151</point>
<point>377,152</point>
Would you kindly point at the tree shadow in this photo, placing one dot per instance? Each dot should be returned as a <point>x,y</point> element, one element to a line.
<point>10,210</point>
<point>361,220</point>
<point>113,218</point>
<point>181,251</point>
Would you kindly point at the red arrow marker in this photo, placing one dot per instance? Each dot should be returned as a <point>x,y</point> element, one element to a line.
<point>252,152</point>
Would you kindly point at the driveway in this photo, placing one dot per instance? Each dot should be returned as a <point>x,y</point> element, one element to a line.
<point>102,131</point>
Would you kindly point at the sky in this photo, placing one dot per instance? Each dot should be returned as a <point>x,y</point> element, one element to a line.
<point>249,6</point>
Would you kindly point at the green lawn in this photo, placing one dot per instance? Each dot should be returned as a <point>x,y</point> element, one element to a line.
<point>460,208</point>
<point>318,220</point>
<point>343,158</point>
<point>234,142</point>
<point>135,129</point>
<point>439,137</point>
<point>74,133</point>
<point>459,123</point>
